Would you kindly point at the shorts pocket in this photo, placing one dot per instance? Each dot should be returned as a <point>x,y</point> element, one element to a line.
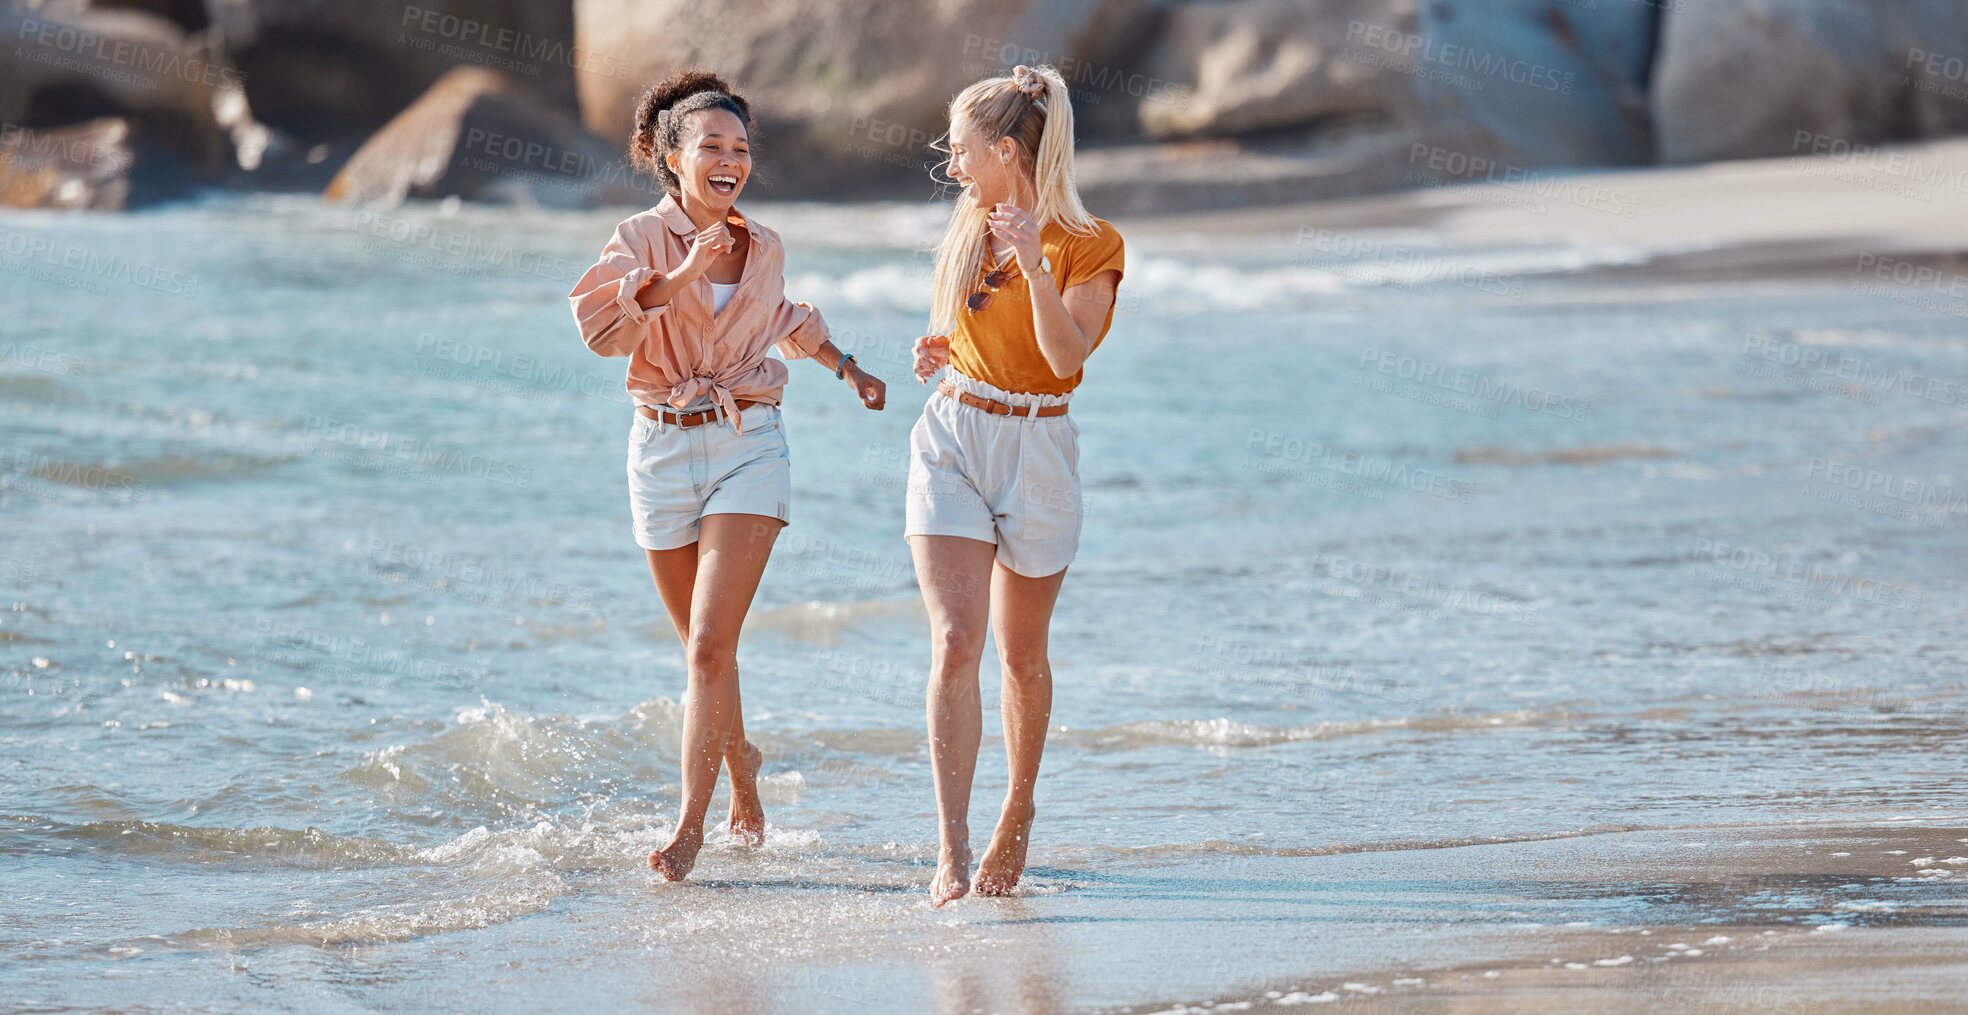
<point>1068,439</point>
<point>1048,504</point>
<point>756,427</point>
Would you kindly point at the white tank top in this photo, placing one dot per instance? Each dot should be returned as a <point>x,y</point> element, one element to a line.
<point>721,294</point>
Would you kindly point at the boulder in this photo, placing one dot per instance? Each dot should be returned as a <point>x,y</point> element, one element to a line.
<point>1753,78</point>
<point>1255,65</point>
<point>1525,83</point>
<point>1533,83</point>
<point>328,71</point>
<point>1226,173</point>
<point>67,65</point>
<point>189,15</point>
<point>481,135</point>
<point>82,166</point>
<point>1930,55</point>
<point>851,93</point>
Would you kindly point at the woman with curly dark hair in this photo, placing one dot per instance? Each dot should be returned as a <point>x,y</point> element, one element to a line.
<point>692,292</point>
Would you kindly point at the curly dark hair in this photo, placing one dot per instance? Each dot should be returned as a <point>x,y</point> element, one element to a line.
<point>660,113</point>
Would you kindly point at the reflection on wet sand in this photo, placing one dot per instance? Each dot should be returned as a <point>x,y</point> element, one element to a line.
<point>1014,972</point>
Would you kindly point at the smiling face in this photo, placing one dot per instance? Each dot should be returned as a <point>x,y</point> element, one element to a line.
<point>990,173</point>
<point>713,160</point>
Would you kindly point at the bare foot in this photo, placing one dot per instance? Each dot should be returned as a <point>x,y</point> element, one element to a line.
<point>747,813</point>
<point>952,878</point>
<point>675,860</point>
<point>1004,858</point>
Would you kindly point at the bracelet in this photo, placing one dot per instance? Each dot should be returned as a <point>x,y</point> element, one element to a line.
<point>840,369</point>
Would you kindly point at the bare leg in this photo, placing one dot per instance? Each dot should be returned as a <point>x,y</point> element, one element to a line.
<point>732,551</point>
<point>955,576</point>
<point>675,572</point>
<point>1021,615</point>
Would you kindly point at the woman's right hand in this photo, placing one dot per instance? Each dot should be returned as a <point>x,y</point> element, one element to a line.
<point>710,243</point>
<point>932,354</point>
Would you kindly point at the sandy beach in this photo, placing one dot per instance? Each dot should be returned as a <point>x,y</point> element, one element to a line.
<point>1718,221</point>
<point>1801,918</point>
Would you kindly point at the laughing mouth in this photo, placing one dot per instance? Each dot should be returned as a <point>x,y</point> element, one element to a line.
<point>723,183</point>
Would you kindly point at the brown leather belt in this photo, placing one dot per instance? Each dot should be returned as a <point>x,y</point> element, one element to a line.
<point>689,419</point>
<point>997,408</point>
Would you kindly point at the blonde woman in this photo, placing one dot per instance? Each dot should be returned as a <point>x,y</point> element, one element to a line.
<point>692,292</point>
<point>1024,292</point>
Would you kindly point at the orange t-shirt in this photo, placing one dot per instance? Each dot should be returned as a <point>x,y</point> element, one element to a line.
<point>999,345</point>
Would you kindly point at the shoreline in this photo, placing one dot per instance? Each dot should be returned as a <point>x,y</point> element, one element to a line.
<point>1724,222</point>
<point>1753,949</point>
<point>1784,215</point>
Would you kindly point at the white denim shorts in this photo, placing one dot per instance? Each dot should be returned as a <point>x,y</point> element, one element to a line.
<point>1009,480</point>
<point>677,475</point>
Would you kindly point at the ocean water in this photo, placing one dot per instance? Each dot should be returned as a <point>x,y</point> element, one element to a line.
<point>333,680</point>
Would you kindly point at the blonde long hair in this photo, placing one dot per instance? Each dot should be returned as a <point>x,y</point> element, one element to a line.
<point>1031,106</point>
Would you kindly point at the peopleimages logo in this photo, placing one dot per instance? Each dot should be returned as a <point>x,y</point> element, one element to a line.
<point>78,150</point>
<point>498,38</point>
<point>1446,165</point>
<point>365,660</point>
<point>1896,595</point>
<point>414,452</point>
<point>1909,166</point>
<point>1473,384</point>
<point>87,265</point>
<point>1886,485</point>
<point>83,47</point>
<point>1373,468</point>
<point>1814,360</point>
<point>1459,57</point>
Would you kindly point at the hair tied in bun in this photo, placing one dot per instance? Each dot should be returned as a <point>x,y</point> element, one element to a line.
<point>661,118</point>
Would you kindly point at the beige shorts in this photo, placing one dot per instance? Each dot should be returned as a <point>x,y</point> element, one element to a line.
<point>1009,480</point>
<point>678,475</point>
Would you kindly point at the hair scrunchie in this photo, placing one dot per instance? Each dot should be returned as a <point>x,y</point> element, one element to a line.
<point>1030,83</point>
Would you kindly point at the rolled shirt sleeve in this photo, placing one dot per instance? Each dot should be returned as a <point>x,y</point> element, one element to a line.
<point>604,300</point>
<point>800,329</point>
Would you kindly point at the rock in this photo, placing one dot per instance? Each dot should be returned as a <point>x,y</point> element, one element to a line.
<point>1254,65</point>
<point>83,166</point>
<point>1224,173</point>
<point>1756,78</point>
<point>850,93</point>
<point>1533,83</point>
<point>330,71</point>
<point>1380,94</point>
<point>188,15</point>
<point>480,135</point>
<point>1931,58</point>
<point>65,65</point>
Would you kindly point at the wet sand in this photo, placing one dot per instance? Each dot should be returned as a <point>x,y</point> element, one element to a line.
<point>1806,918</point>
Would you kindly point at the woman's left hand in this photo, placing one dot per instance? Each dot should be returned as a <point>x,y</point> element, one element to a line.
<point>1017,228</point>
<point>874,393</point>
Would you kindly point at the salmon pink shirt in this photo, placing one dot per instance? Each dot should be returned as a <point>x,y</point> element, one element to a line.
<point>681,353</point>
